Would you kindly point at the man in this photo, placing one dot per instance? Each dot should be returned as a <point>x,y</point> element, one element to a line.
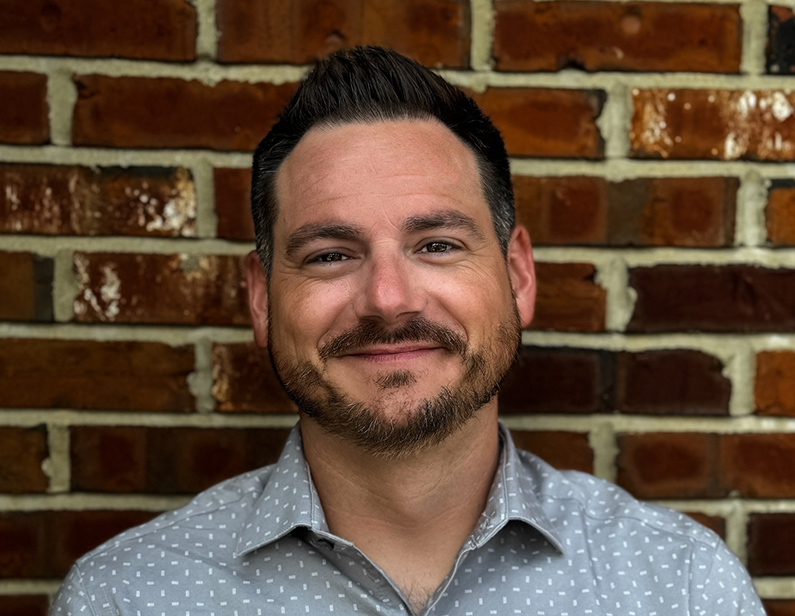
<point>390,286</point>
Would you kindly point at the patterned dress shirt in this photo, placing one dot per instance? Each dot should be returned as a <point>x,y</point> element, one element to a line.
<point>548,543</point>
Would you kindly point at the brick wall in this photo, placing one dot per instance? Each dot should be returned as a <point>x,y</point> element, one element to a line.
<point>653,146</point>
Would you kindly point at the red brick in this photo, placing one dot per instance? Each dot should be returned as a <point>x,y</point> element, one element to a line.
<point>24,112</point>
<point>635,36</point>
<point>83,374</point>
<point>779,607</point>
<point>139,29</point>
<point>564,450</point>
<point>544,122</point>
<point>774,394</point>
<point>718,298</point>
<point>143,112</point>
<point>71,200</point>
<point>22,452</point>
<point>759,465</point>
<point>25,287</point>
<point>167,460</point>
<point>713,124</point>
<point>569,299</point>
<point>548,380</point>
<point>669,465</point>
<point>299,31</point>
<point>233,204</point>
<point>715,523</point>
<point>780,54</point>
<point>158,288</point>
<point>770,540</point>
<point>780,213</point>
<point>244,381</point>
<point>24,605</point>
<point>671,382</point>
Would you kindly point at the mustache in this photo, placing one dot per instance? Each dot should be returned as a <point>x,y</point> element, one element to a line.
<point>417,329</point>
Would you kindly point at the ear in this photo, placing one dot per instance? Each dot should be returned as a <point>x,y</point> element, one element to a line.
<point>521,269</point>
<point>257,297</point>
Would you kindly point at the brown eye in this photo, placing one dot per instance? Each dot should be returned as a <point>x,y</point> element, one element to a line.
<point>437,247</point>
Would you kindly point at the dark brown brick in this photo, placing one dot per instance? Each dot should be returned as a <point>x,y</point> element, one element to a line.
<point>671,382</point>
<point>24,112</point>
<point>299,31</point>
<point>715,523</point>
<point>233,204</point>
<point>770,540</point>
<point>780,48</point>
<point>71,200</point>
<point>779,607</point>
<point>25,287</point>
<point>24,605</point>
<point>719,298</point>
<point>22,452</point>
<point>167,460</point>
<point>143,112</point>
<point>759,465</point>
<point>86,374</point>
<point>713,124</point>
<point>635,36</point>
<point>131,288</point>
<point>139,29</point>
<point>569,299</point>
<point>564,450</point>
<point>546,123</point>
<point>774,394</point>
<point>780,213</point>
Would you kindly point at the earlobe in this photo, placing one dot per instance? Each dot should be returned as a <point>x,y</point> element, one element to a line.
<point>521,268</point>
<point>257,297</point>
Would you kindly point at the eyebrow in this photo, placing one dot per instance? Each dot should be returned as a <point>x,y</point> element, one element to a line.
<point>449,219</point>
<point>308,233</point>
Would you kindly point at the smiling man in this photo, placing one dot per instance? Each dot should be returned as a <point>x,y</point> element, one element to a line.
<point>390,286</point>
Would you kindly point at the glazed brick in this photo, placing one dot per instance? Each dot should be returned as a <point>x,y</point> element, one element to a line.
<point>87,374</point>
<point>25,287</point>
<point>233,204</point>
<point>780,213</point>
<point>167,460</point>
<point>713,124</point>
<point>129,288</point>
<point>299,31</point>
<point>600,36</point>
<point>770,540</point>
<point>138,29</point>
<point>72,200</point>
<point>719,298</point>
<point>759,465</point>
<point>542,122</point>
<point>671,382</point>
<point>779,607</point>
<point>45,544</point>
<point>715,523</point>
<point>22,451</point>
<point>780,48</point>
<point>774,394</point>
<point>24,605</point>
<point>143,112</point>
<point>244,381</point>
<point>24,112</point>
<point>568,298</point>
<point>563,450</point>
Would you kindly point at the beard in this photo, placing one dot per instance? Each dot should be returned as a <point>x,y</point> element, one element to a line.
<point>410,426</point>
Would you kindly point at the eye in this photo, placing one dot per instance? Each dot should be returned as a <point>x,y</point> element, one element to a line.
<point>437,247</point>
<point>329,257</point>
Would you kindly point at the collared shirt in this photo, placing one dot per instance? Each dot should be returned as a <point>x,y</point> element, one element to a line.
<point>548,543</point>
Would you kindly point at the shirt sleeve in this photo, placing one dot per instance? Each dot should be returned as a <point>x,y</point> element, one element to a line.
<point>73,598</point>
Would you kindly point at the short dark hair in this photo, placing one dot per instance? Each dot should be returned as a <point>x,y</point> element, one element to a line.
<point>372,84</point>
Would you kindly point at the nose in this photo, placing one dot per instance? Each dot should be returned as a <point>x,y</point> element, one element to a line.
<point>388,291</point>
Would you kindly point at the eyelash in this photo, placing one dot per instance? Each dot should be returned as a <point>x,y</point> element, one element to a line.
<point>337,257</point>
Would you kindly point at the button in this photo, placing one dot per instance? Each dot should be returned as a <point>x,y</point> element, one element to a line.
<point>325,543</point>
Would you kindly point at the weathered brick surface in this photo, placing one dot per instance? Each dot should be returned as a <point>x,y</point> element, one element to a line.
<point>774,394</point>
<point>298,31</point>
<point>142,112</point>
<point>44,544</point>
<point>72,200</point>
<point>780,51</point>
<point>715,523</point>
<point>22,451</point>
<point>25,287</point>
<point>545,122</point>
<point>119,287</point>
<point>233,204</point>
<point>24,605</point>
<point>568,298</point>
<point>564,450</point>
<point>87,374</point>
<point>780,213</point>
<point>719,298</point>
<point>770,540</point>
<point>155,30</point>
<point>167,460</point>
<point>23,108</point>
<point>759,465</point>
<point>671,382</point>
<point>713,124</point>
<point>779,607</point>
<point>640,36</point>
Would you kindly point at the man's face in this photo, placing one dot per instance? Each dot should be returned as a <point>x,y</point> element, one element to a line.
<point>390,317</point>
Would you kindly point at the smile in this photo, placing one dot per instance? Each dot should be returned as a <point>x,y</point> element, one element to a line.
<point>392,353</point>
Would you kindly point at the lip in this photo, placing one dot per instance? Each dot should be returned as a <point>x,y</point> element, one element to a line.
<point>392,352</point>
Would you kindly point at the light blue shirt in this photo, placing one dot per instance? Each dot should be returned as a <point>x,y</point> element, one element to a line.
<point>549,543</point>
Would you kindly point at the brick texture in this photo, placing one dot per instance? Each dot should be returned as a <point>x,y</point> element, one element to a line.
<point>779,607</point>
<point>71,200</point>
<point>770,540</point>
<point>568,298</point>
<point>142,112</point>
<point>24,605</point>
<point>140,29</point>
<point>22,451</point>
<point>84,374</point>
<point>298,31</point>
<point>25,287</point>
<point>23,108</point>
<point>780,51</point>
<point>233,204</point>
<point>774,394</point>
<point>167,460</point>
<point>715,523</point>
<point>564,450</point>
<point>597,36</point>
<point>780,213</point>
<point>759,465</point>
